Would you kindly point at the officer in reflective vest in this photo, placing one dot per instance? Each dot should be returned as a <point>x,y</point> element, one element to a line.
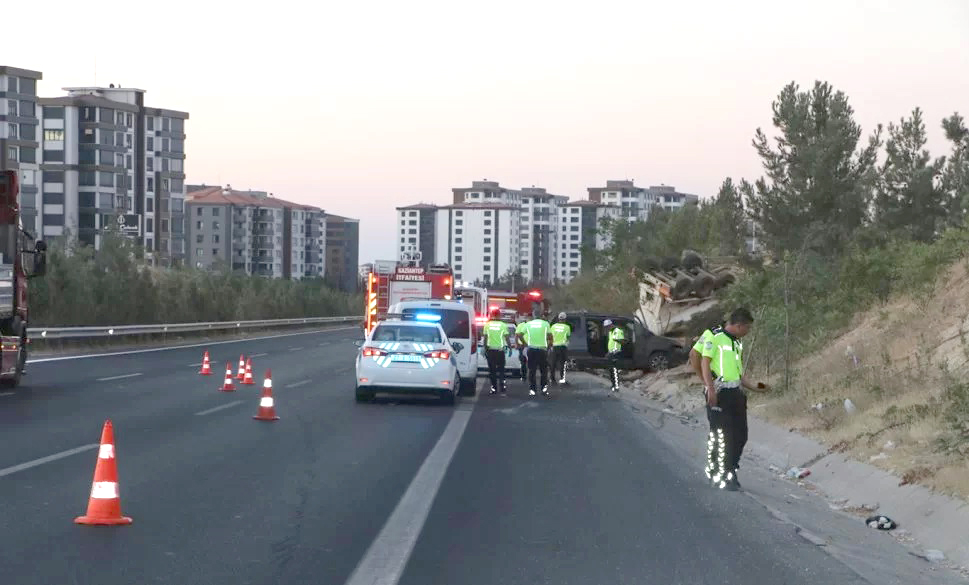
<point>496,346</point>
<point>724,379</point>
<point>561,331</point>
<point>616,339</point>
<point>537,336</point>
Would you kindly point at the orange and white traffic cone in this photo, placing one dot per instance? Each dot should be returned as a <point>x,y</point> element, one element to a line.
<point>206,366</point>
<point>267,407</point>
<point>228,386</point>
<point>242,368</point>
<point>247,380</point>
<point>104,505</point>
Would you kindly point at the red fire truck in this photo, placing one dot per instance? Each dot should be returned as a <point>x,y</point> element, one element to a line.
<point>20,258</point>
<point>390,282</point>
<point>520,302</point>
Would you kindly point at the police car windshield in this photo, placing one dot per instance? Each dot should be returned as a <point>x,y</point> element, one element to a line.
<point>456,324</point>
<point>407,333</point>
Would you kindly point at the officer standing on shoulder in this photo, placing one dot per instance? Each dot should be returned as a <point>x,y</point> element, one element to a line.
<point>724,379</point>
<point>538,337</point>
<point>695,359</point>
<point>496,344</point>
<point>615,341</point>
<point>561,332</point>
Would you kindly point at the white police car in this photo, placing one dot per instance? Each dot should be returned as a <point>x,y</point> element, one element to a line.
<point>411,356</point>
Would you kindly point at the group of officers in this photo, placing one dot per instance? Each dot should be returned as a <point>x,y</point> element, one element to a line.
<point>542,346</point>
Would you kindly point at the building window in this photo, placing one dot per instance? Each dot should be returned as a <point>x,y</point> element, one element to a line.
<point>53,135</point>
<point>54,112</point>
<point>164,226</point>
<point>199,238</point>
<point>150,184</point>
<point>215,212</point>
<point>149,225</point>
<point>106,179</point>
<point>150,122</point>
<point>215,225</point>
<point>198,211</point>
<point>198,225</point>
<point>215,238</point>
<point>28,155</point>
<point>12,130</point>
<point>151,164</point>
<point>198,252</point>
<point>150,142</point>
<point>164,145</point>
<point>166,124</point>
<point>127,140</point>
<point>149,204</point>
<point>12,107</point>
<point>215,251</point>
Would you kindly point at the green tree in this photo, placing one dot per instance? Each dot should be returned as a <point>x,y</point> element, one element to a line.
<point>818,187</point>
<point>910,198</point>
<point>955,177</point>
<point>730,219</point>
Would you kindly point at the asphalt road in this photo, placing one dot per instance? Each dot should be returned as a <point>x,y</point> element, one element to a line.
<point>494,491</point>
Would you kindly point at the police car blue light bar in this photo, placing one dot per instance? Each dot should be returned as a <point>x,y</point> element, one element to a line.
<point>427,317</point>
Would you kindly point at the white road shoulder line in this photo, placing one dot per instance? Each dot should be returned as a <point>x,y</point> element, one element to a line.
<point>7,393</point>
<point>295,348</point>
<point>118,377</point>
<point>188,346</point>
<point>298,384</point>
<point>197,364</point>
<point>48,459</point>
<point>218,408</point>
<point>258,355</point>
<point>384,562</point>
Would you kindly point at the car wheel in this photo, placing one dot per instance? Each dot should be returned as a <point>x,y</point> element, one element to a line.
<point>468,387</point>
<point>658,361</point>
<point>364,395</point>
<point>448,398</point>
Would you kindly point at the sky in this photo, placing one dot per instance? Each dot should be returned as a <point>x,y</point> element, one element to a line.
<point>360,107</point>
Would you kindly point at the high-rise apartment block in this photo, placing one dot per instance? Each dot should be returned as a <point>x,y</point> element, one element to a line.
<point>19,136</point>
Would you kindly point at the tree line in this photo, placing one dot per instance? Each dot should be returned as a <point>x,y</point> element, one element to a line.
<point>116,286</point>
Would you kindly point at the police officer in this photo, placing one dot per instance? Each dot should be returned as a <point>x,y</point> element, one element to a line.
<point>615,340</point>
<point>522,358</point>
<point>537,336</point>
<point>561,331</point>
<point>496,346</point>
<point>724,379</point>
<point>695,357</point>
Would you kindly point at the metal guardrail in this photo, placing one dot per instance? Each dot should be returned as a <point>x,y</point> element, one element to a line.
<point>120,330</point>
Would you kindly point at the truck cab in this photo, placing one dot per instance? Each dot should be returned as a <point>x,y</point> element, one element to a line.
<point>21,258</point>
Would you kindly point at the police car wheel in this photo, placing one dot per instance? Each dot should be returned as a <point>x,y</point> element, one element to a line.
<point>363,395</point>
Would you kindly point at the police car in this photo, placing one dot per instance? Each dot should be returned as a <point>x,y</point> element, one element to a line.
<point>408,356</point>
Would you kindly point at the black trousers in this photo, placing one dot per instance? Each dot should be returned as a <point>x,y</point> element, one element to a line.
<point>730,423</point>
<point>560,355</point>
<point>496,368</point>
<point>614,362</point>
<point>523,362</point>
<point>537,360</point>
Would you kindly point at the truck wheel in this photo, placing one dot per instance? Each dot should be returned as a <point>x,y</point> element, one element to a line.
<point>658,361</point>
<point>691,260</point>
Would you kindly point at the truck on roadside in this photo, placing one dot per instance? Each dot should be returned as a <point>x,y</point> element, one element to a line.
<point>21,258</point>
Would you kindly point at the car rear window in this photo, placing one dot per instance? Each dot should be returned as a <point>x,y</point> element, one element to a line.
<point>456,324</point>
<point>406,333</point>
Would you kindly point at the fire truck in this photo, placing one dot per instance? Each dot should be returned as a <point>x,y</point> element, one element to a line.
<point>477,298</point>
<point>21,258</point>
<point>521,303</point>
<point>392,281</point>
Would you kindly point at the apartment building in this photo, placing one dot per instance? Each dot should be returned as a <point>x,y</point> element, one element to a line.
<point>669,198</point>
<point>579,231</point>
<point>19,136</point>
<point>540,233</point>
<point>254,232</point>
<point>342,252</point>
<point>416,231</point>
<point>479,240</point>
<point>634,202</point>
<point>486,191</point>
<point>112,163</point>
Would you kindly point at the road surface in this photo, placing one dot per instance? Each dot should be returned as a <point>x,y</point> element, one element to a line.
<point>514,490</point>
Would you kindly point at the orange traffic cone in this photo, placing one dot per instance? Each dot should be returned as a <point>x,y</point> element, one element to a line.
<point>228,386</point>
<point>247,380</point>
<point>242,368</point>
<point>267,408</point>
<point>104,505</point>
<point>206,366</point>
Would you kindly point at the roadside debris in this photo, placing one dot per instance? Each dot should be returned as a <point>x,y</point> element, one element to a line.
<point>881,523</point>
<point>850,406</point>
<point>798,472</point>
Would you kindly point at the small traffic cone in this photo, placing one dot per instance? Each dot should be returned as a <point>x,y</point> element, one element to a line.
<point>206,366</point>
<point>228,386</point>
<point>104,505</point>
<point>267,407</point>
<point>242,368</point>
<point>247,380</point>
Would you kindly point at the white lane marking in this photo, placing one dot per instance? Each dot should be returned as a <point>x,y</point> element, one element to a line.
<point>118,377</point>
<point>258,355</point>
<point>295,348</point>
<point>198,364</point>
<point>218,408</point>
<point>298,384</point>
<point>170,347</point>
<point>48,459</point>
<point>7,393</point>
<point>384,562</point>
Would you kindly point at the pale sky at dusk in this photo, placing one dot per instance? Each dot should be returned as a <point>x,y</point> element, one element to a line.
<point>361,107</point>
